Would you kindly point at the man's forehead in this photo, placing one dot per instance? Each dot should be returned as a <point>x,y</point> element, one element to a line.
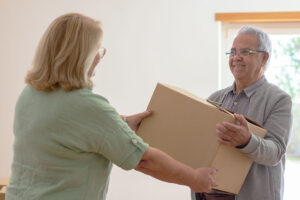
<point>245,41</point>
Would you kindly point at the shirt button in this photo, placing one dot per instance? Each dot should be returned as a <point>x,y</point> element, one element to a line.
<point>235,103</point>
<point>134,140</point>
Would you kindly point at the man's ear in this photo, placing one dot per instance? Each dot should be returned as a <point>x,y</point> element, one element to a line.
<point>265,58</point>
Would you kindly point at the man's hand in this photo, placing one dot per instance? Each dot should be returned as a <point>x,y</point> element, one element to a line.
<point>134,121</point>
<point>234,134</point>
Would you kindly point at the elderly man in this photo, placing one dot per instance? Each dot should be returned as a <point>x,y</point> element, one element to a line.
<point>253,96</point>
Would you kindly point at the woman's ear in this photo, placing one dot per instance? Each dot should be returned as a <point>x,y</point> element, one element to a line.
<point>95,63</point>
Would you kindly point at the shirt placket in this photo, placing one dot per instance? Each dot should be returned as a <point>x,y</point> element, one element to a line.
<point>235,103</point>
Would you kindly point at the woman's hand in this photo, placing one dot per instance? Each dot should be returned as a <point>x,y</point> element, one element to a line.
<point>134,121</point>
<point>204,180</point>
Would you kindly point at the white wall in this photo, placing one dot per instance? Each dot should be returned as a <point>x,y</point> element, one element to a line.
<point>171,41</point>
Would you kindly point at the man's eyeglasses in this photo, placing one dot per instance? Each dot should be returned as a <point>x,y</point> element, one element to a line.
<point>243,52</point>
<point>102,52</point>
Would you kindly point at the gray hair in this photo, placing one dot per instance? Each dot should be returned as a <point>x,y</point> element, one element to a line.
<point>264,42</point>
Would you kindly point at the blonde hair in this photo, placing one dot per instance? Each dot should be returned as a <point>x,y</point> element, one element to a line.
<point>65,54</point>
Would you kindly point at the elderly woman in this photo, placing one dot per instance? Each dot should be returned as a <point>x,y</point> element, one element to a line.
<point>67,137</point>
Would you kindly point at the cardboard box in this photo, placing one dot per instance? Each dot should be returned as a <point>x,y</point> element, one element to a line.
<point>184,125</point>
<point>3,184</point>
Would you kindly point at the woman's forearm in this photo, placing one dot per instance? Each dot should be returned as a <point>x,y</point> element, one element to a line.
<point>163,167</point>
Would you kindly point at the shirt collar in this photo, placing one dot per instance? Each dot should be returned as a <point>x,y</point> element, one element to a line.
<point>249,91</point>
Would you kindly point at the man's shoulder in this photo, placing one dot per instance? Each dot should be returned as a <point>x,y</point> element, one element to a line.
<point>271,90</point>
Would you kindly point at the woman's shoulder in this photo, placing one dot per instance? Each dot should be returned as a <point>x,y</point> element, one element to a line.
<point>86,98</point>
<point>89,95</point>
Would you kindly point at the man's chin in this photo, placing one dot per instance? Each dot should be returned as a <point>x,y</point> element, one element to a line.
<point>239,75</point>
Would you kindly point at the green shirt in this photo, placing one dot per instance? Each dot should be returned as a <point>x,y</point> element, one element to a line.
<point>65,144</point>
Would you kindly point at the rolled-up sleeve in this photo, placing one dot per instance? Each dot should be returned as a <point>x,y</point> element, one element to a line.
<point>100,130</point>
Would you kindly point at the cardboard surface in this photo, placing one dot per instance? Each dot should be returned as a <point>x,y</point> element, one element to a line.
<point>183,125</point>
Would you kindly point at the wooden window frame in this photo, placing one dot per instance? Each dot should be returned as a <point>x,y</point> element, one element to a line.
<point>258,17</point>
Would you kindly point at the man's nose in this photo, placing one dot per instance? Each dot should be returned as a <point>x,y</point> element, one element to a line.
<point>237,56</point>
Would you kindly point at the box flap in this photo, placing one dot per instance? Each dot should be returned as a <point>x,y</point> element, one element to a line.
<point>218,105</point>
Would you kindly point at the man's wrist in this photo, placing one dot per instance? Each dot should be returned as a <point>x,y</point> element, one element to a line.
<point>244,145</point>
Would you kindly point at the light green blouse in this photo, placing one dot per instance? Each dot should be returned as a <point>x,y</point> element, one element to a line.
<point>65,144</point>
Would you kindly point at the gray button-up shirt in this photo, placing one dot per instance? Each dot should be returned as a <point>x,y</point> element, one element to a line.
<point>270,107</point>
<point>239,103</point>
